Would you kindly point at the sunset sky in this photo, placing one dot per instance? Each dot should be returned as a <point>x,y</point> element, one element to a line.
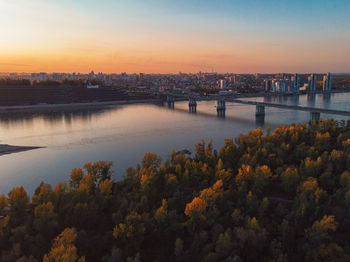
<point>168,36</point>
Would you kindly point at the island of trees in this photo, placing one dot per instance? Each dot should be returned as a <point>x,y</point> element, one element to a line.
<point>279,196</point>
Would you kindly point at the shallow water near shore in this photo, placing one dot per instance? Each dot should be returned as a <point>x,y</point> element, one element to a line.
<point>123,134</point>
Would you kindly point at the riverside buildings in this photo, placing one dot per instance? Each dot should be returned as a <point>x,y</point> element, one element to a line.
<point>205,82</point>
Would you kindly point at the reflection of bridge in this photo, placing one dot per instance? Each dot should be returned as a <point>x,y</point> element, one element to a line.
<point>260,106</point>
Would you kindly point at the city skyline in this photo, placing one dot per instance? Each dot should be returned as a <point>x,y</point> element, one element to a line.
<point>171,37</point>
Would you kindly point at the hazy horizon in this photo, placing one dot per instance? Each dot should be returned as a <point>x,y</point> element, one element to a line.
<point>175,36</point>
<point>174,73</point>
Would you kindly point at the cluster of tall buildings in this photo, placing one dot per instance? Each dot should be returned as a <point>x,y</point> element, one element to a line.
<point>285,85</point>
<point>327,83</point>
<point>292,84</point>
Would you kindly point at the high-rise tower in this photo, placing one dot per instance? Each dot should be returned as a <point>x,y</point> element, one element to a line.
<point>312,83</point>
<point>327,82</point>
<point>295,84</point>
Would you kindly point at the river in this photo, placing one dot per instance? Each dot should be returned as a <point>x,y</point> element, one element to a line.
<point>123,134</point>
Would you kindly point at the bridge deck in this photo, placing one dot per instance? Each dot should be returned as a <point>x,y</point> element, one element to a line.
<point>293,107</point>
<point>282,106</point>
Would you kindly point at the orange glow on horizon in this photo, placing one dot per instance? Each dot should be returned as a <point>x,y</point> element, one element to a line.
<point>46,36</point>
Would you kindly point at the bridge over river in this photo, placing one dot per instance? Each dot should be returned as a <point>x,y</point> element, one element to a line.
<point>260,106</point>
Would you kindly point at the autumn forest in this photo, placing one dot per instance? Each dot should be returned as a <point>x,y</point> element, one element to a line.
<point>273,196</point>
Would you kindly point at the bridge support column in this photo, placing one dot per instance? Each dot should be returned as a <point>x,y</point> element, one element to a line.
<point>221,108</point>
<point>171,101</point>
<point>192,105</point>
<point>315,116</point>
<point>260,110</point>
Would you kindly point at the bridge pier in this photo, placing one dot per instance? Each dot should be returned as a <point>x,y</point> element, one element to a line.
<point>171,101</point>
<point>260,110</point>
<point>221,108</point>
<point>315,116</point>
<point>192,105</point>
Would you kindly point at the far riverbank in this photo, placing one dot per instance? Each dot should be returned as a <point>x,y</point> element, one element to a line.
<point>44,107</point>
<point>96,105</point>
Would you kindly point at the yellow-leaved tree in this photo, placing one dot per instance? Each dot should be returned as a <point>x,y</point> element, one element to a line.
<point>63,248</point>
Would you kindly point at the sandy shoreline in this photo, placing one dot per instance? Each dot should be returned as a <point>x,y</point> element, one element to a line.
<point>8,149</point>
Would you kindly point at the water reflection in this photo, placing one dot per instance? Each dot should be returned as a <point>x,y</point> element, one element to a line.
<point>311,100</point>
<point>52,117</point>
<point>221,113</point>
<point>260,120</point>
<point>326,98</point>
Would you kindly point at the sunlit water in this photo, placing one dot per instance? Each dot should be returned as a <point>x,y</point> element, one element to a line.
<point>123,134</point>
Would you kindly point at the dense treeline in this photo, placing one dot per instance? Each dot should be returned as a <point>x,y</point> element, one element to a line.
<point>280,196</point>
<point>8,82</point>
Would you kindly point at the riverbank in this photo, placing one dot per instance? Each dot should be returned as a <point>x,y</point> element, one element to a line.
<point>8,149</point>
<point>45,107</point>
<point>87,105</point>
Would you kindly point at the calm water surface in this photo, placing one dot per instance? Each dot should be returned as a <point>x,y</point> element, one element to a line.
<point>123,134</point>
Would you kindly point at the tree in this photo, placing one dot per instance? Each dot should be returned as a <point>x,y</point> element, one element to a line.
<point>345,180</point>
<point>310,168</point>
<point>161,214</point>
<point>99,170</point>
<point>151,160</point>
<point>132,230</point>
<point>328,253</point>
<point>290,180</point>
<point>3,202</point>
<point>196,209</point>
<point>223,245</point>
<point>3,223</point>
<point>45,219</point>
<point>42,194</point>
<point>63,248</point>
<point>19,202</point>
<point>106,187</point>
<point>321,229</point>
<point>179,247</point>
<point>76,176</point>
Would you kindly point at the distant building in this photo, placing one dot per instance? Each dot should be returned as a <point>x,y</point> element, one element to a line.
<point>223,84</point>
<point>273,85</point>
<point>268,85</point>
<point>279,86</point>
<point>327,83</point>
<point>42,76</point>
<point>295,84</point>
<point>312,83</point>
<point>92,86</point>
<point>282,86</point>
